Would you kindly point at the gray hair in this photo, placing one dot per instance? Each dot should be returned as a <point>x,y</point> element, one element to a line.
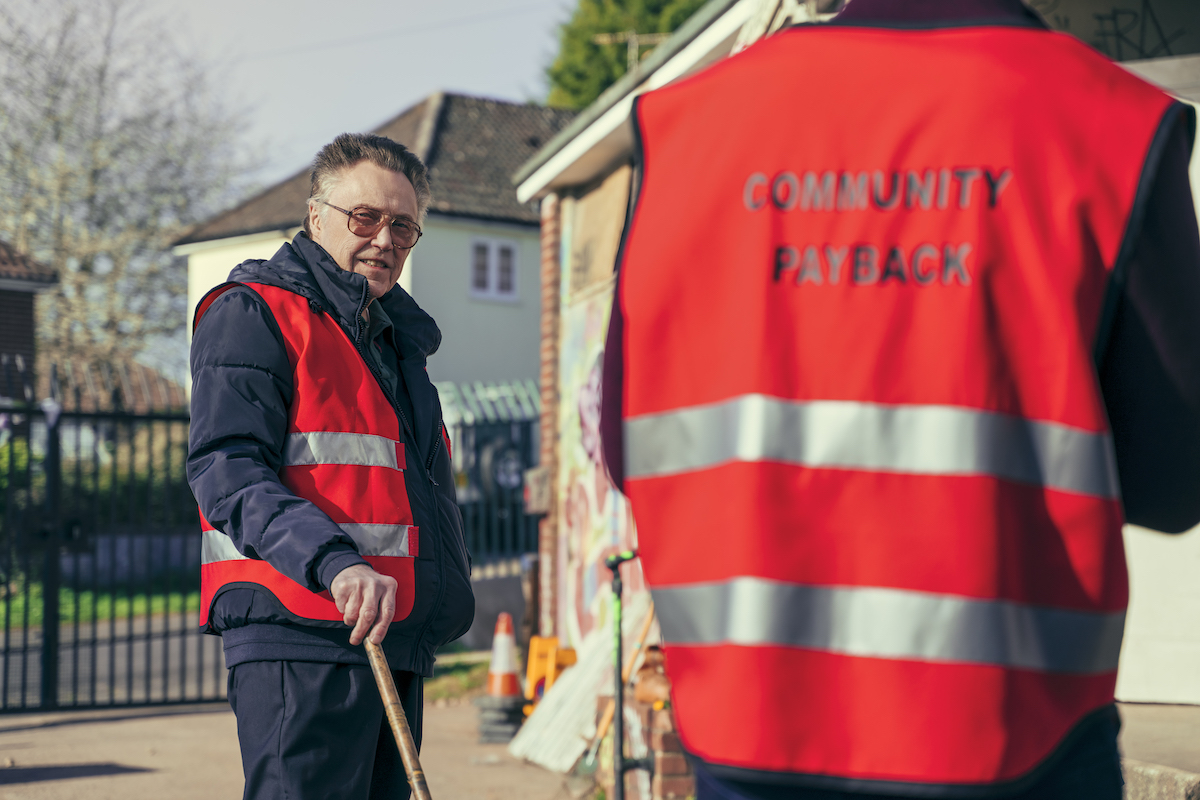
<point>349,149</point>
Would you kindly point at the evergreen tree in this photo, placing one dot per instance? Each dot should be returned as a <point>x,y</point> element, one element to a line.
<point>583,69</point>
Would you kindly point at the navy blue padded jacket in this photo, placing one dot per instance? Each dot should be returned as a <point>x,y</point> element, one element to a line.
<point>241,391</point>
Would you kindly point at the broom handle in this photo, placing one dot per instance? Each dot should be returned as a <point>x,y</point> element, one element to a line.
<point>607,718</point>
<point>398,721</point>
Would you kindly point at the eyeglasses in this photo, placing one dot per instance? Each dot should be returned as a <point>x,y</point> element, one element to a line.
<point>365,221</point>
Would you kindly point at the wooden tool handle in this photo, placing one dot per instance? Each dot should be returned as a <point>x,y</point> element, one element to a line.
<point>398,721</point>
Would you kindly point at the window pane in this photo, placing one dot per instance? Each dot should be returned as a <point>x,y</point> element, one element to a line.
<point>505,283</point>
<point>479,270</point>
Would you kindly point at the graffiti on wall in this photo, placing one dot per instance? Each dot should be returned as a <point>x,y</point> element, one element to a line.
<point>1131,30</point>
<point>594,519</point>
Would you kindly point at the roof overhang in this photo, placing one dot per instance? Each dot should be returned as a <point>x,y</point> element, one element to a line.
<point>17,285</point>
<point>274,232</point>
<point>602,135</point>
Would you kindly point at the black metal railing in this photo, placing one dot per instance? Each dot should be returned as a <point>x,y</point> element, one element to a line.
<point>99,546</point>
<point>489,461</point>
<point>493,428</point>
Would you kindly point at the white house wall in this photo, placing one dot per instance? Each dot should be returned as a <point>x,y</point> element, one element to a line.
<point>209,263</point>
<point>482,339</point>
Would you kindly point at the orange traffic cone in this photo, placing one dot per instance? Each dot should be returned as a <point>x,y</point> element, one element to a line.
<point>502,680</point>
<point>500,710</point>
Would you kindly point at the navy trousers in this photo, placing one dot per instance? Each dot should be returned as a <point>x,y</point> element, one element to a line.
<point>1088,769</point>
<point>311,730</point>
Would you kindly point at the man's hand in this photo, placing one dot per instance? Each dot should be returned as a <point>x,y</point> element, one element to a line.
<point>365,599</point>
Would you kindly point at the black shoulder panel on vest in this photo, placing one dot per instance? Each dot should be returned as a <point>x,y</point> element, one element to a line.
<point>636,180</point>
<point>1133,226</point>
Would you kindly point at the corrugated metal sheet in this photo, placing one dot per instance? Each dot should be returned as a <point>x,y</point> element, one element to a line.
<point>481,402</point>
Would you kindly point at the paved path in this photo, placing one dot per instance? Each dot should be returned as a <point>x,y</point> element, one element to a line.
<point>191,753</point>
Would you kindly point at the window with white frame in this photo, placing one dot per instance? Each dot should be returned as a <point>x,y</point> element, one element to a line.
<point>494,269</point>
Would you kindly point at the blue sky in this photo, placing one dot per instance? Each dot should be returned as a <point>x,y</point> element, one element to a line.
<point>306,70</point>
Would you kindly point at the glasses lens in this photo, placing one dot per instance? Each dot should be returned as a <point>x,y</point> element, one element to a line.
<point>364,221</point>
<point>404,234</point>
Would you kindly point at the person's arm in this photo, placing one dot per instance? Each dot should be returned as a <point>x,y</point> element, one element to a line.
<point>241,391</point>
<point>612,441</point>
<point>1150,374</point>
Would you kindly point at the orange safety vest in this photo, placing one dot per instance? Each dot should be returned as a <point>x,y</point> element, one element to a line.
<point>343,452</point>
<point>869,462</point>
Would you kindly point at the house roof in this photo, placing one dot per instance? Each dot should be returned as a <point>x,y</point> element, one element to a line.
<point>16,266</point>
<point>471,145</point>
<point>81,385</point>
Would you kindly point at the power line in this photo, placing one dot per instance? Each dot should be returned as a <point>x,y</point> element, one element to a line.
<point>357,40</point>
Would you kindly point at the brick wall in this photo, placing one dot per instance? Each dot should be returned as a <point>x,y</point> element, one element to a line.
<point>16,324</point>
<point>672,775</point>
<point>551,241</point>
<point>673,779</point>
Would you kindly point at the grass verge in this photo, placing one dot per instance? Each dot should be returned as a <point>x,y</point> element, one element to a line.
<point>83,605</point>
<point>456,681</point>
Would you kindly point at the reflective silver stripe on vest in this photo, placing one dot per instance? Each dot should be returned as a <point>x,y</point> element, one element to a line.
<point>890,624</point>
<point>921,440</point>
<point>328,447</point>
<point>371,540</point>
<point>377,540</point>
<point>216,546</point>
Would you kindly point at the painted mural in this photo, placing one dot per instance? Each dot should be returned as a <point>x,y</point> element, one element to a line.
<point>594,519</point>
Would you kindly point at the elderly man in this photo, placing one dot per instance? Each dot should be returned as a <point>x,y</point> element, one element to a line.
<point>322,470</point>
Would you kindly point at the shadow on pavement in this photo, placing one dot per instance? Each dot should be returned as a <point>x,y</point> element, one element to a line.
<point>66,717</point>
<point>63,772</point>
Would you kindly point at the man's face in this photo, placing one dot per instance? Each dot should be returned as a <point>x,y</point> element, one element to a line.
<point>374,257</point>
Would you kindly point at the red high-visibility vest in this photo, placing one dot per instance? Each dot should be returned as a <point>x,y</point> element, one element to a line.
<point>867,455</point>
<point>344,453</point>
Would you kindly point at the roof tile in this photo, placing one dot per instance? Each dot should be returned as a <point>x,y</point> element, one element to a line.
<point>17,266</point>
<point>476,146</point>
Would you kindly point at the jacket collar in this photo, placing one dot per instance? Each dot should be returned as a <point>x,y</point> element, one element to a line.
<point>304,267</point>
<point>938,13</point>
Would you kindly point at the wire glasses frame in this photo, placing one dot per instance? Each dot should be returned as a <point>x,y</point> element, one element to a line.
<point>366,221</point>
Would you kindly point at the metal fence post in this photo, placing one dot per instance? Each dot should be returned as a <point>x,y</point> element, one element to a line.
<point>51,569</point>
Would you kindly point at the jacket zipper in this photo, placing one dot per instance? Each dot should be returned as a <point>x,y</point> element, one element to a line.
<point>433,451</point>
<point>437,441</point>
<point>358,346</point>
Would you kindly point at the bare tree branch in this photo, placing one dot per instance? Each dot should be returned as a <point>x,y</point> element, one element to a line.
<point>111,144</point>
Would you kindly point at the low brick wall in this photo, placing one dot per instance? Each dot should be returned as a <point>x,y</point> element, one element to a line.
<point>1154,782</point>
<point>672,775</point>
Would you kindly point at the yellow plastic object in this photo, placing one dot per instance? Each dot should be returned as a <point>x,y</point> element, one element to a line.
<point>545,663</point>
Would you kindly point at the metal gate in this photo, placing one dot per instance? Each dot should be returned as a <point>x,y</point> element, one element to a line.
<point>493,428</point>
<point>99,551</point>
<point>99,534</point>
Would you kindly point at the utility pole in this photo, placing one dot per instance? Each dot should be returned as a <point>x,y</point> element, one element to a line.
<point>633,41</point>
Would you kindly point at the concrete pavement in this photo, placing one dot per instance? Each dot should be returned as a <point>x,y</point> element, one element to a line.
<point>191,753</point>
<point>1161,748</point>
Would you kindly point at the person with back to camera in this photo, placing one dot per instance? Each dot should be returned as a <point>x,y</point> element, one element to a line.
<point>905,330</point>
